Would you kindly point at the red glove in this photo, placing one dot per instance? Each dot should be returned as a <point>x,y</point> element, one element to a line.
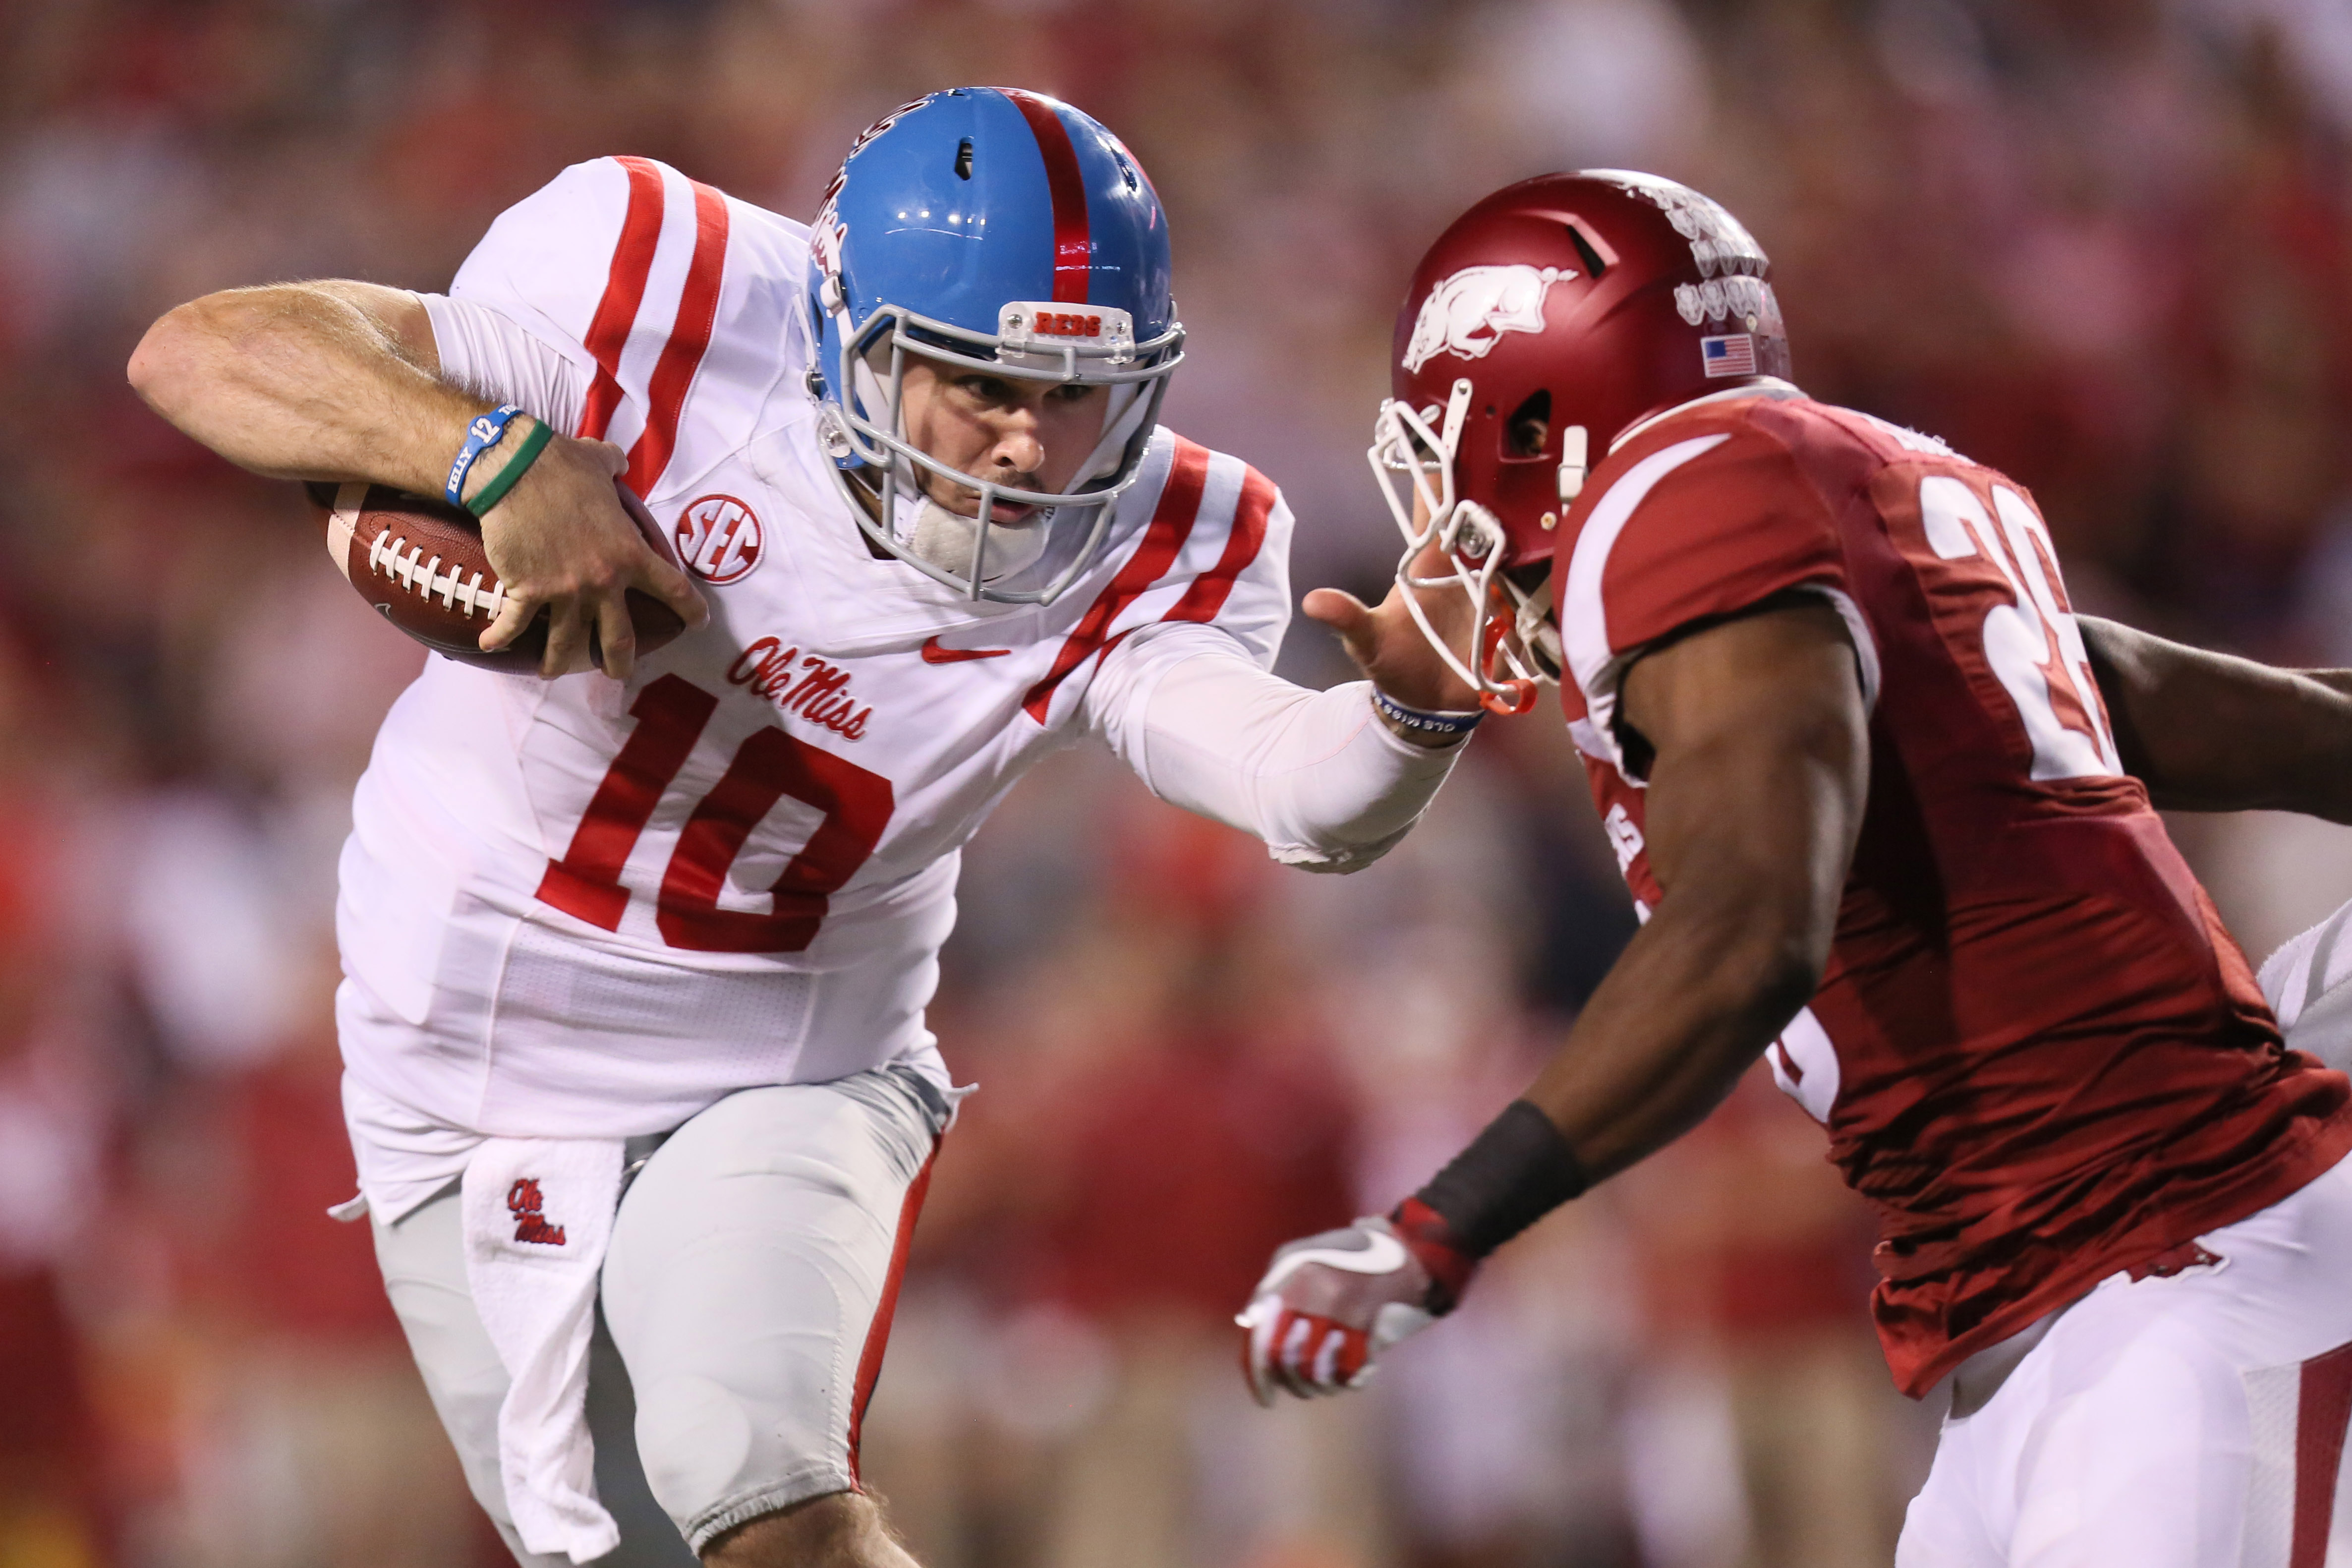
<point>1331,1303</point>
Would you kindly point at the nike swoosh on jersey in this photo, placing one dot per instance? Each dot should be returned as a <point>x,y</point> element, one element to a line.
<point>1384,1254</point>
<point>934,654</point>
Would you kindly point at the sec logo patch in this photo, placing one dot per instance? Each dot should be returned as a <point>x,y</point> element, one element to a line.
<point>718,539</point>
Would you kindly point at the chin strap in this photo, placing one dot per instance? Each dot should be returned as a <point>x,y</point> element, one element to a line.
<point>1511,697</point>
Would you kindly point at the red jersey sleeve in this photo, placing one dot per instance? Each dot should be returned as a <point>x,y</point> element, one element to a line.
<point>1703,521</point>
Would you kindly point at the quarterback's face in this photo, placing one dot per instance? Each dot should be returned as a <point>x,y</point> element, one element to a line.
<point>1025,435</point>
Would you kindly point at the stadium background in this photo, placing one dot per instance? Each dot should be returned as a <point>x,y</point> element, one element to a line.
<point>2102,244</point>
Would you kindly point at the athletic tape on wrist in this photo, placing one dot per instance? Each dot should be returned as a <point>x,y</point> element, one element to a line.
<point>1396,713</point>
<point>500,483</point>
<point>1512,1174</point>
<point>483,431</point>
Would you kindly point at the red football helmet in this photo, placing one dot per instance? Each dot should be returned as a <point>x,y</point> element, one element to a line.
<point>1547,320</point>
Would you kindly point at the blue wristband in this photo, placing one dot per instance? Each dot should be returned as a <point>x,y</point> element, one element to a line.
<point>482,433</point>
<point>1396,713</point>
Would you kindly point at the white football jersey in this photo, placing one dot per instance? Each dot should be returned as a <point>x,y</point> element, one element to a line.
<point>597,908</point>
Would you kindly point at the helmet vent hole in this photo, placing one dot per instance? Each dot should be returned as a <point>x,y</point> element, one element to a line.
<point>964,159</point>
<point>1529,431</point>
<point>1593,266</point>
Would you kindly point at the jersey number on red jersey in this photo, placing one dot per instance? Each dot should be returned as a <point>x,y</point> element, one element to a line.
<point>2031,643</point>
<point>767,767</point>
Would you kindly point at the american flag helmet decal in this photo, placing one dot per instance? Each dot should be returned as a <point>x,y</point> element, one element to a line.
<point>1732,354</point>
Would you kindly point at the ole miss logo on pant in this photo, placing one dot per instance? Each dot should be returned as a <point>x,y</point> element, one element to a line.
<point>718,539</point>
<point>528,1208</point>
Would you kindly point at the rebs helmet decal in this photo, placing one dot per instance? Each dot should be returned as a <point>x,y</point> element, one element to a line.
<point>1547,320</point>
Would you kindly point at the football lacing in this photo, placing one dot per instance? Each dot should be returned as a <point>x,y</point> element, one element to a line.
<point>391,557</point>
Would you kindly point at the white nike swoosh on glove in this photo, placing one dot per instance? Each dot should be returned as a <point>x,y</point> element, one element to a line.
<point>1384,1254</point>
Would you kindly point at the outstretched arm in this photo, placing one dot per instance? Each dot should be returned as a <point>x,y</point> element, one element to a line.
<point>341,380</point>
<point>1326,778</point>
<point>2209,731</point>
<point>1755,798</point>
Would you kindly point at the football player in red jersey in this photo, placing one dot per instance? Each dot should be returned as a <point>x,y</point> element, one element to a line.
<point>1885,806</point>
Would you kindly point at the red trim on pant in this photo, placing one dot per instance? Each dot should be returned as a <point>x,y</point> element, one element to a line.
<point>878,1336</point>
<point>2323,1411</point>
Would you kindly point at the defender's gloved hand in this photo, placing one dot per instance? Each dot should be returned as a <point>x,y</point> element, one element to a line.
<point>1331,1303</point>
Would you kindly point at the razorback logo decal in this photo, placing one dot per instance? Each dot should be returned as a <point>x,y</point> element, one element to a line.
<point>1468,313</point>
<point>524,1201</point>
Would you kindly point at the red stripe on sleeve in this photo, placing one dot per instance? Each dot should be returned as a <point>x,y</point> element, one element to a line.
<point>689,337</point>
<point>625,290</point>
<point>2322,1412</point>
<point>878,1336</point>
<point>1172,525</point>
<point>1210,590</point>
<point>1073,246</point>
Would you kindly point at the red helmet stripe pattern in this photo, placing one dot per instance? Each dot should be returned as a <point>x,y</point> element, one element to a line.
<point>625,290</point>
<point>1073,246</point>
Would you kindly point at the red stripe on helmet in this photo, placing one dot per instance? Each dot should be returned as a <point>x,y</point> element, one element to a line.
<point>689,337</point>
<point>1073,246</point>
<point>625,290</point>
<point>1172,525</point>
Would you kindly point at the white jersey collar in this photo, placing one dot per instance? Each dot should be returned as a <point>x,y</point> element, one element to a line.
<point>1758,387</point>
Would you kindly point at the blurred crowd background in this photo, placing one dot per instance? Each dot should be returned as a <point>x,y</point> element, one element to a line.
<point>2102,244</point>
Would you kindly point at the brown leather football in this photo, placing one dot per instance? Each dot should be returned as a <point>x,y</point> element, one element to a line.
<point>421,564</point>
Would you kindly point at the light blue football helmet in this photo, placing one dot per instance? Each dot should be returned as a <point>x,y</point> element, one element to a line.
<point>1001,231</point>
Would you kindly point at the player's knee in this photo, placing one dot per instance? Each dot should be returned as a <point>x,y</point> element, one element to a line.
<point>840,1529</point>
<point>694,1439</point>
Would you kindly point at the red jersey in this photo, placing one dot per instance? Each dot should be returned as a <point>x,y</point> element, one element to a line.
<point>2036,1049</point>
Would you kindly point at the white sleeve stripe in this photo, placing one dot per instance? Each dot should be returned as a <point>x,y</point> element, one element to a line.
<point>1583,619</point>
<point>1175,499</point>
<point>656,318</point>
<point>654,262</point>
<point>618,309</point>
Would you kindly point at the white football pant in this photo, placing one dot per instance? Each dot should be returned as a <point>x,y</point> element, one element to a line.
<point>746,1301</point>
<point>2195,1420</point>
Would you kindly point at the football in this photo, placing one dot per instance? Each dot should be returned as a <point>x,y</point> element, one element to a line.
<point>421,564</point>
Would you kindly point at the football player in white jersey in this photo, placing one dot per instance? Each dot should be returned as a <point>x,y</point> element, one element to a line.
<point>636,961</point>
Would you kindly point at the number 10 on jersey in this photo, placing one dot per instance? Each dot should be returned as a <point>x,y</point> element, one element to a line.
<point>769,765</point>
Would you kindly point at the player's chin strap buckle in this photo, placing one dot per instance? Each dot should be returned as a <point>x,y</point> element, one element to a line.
<point>1511,699</point>
<point>1510,696</point>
